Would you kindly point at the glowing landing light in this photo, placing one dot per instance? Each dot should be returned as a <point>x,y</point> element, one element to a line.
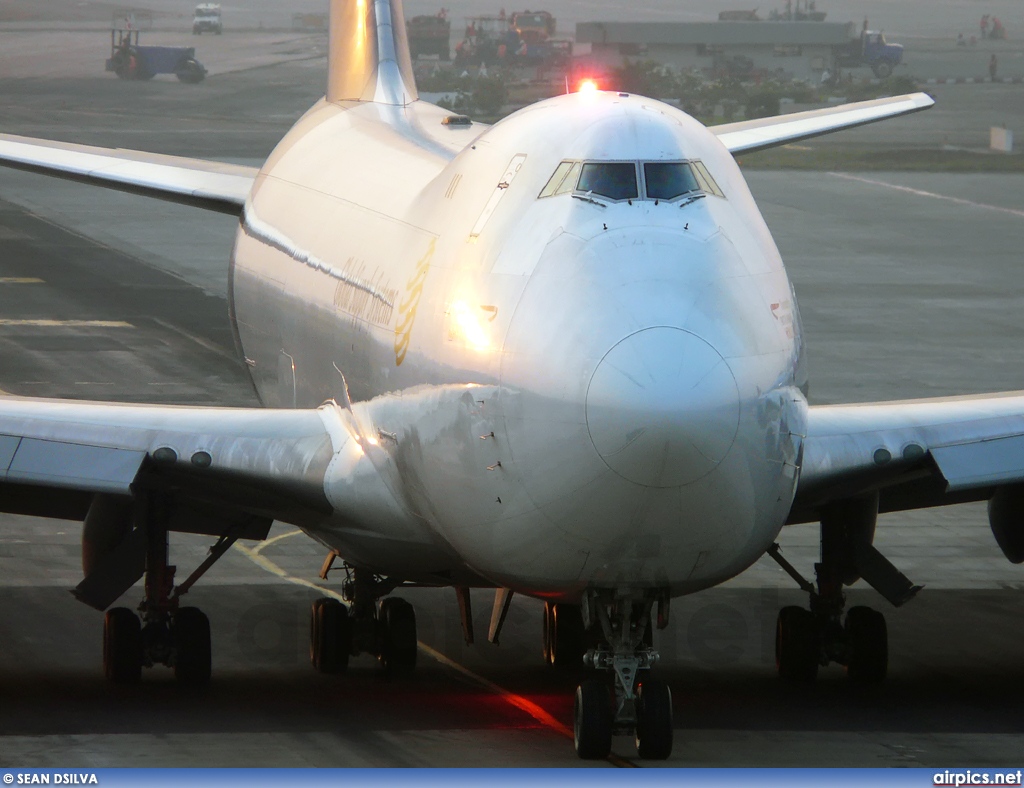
<point>587,87</point>
<point>468,324</point>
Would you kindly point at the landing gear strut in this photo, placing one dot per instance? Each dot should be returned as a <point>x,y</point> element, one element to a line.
<point>385,628</point>
<point>632,705</point>
<point>167,633</point>
<point>806,639</point>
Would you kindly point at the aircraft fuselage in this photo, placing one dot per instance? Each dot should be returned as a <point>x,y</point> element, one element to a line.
<point>558,392</point>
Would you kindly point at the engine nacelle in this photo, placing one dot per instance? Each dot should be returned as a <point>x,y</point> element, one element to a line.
<point>1006,517</point>
<point>106,524</point>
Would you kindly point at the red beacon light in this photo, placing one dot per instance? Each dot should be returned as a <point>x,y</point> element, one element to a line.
<point>587,86</point>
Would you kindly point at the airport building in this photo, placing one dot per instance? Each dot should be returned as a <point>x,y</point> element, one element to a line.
<point>796,50</point>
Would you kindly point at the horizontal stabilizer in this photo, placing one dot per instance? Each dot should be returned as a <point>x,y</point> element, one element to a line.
<point>213,186</point>
<point>753,135</point>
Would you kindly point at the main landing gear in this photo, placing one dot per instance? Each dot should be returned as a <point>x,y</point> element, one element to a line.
<point>385,628</point>
<point>619,624</point>
<point>165,633</point>
<point>806,639</point>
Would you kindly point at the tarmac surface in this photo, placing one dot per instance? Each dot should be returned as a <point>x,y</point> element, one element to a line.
<point>909,285</point>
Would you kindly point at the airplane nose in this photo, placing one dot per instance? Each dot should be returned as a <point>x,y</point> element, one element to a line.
<point>663,408</point>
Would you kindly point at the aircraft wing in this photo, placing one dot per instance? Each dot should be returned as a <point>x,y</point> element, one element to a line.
<point>55,455</point>
<point>915,454</point>
<point>754,135</point>
<point>213,186</point>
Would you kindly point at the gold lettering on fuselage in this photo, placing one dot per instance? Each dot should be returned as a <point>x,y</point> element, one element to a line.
<point>407,308</point>
<point>362,298</point>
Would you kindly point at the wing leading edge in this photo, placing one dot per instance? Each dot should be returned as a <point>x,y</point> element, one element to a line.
<point>753,135</point>
<point>914,454</point>
<point>212,186</point>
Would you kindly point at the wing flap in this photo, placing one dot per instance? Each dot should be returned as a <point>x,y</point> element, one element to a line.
<point>72,466</point>
<point>213,186</point>
<point>753,135</point>
<point>985,463</point>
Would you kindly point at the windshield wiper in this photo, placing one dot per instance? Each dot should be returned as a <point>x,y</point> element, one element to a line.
<point>692,200</point>
<point>588,197</point>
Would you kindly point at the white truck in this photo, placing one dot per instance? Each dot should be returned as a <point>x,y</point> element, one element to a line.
<point>207,19</point>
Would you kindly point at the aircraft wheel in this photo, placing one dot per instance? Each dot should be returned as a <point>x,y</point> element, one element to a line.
<point>592,721</point>
<point>868,645</point>
<point>192,641</point>
<point>397,621</point>
<point>654,720</point>
<point>796,645</point>
<point>122,646</point>
<point>330,635</point>
<point>566,637</point>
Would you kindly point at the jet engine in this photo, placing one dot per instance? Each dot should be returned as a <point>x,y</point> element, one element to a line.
<point>1006,517</point>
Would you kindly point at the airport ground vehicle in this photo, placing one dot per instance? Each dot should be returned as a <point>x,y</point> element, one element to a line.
<point>872,50</point>
<point>207,19</point>
<point>429,35</point>
<point>129,60</point>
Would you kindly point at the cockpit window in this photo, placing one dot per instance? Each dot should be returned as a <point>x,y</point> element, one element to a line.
<point>671,180</point>
<point>663,180</point>
<point>707,183</point>
<point>615,181</point>
<point>556,180</point>
<point>668,180</point>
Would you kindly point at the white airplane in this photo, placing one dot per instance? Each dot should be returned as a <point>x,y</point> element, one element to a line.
<point>559,357</point>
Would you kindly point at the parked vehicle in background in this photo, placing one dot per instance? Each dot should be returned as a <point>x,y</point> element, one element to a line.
<point>533,26</point>
<point>871,49</point>
<point>430,35</point>
<point>129,60</point>
<point>207,19</point>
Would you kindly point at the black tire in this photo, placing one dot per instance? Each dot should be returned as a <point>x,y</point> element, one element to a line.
<point>397,620</point>
<point>566,636</point>
<point>314,633</point>
<point>190,72</point>
<point>122,646</point>
<point>193,657</point>
<point>797,649</point>
<point>867,640</point>
<point>654,720</point>
<point>882,69</point>
<point>332,629</point>
<point>592,721</point>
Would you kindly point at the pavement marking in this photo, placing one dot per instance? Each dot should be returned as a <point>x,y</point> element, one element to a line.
<point>198,340</point>
<point>21,280</point>
<point>518,701</point>
<point>932,195</point>
<point>66,323</point>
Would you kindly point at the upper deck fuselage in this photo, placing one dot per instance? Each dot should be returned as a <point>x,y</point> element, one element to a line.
<point>562,391</point>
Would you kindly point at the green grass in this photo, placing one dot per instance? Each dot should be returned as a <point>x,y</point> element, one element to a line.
<point>890,159</point>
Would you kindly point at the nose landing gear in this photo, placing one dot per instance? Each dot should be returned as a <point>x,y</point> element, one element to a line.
<point>632,706</point>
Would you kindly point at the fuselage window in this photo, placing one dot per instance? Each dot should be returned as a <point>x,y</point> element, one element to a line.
<point>669,180</point>
<point>616,181</point>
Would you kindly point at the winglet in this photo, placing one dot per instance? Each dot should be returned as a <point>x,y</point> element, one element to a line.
<point>368,53</point>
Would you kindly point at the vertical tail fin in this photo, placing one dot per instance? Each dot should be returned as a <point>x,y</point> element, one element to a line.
<point>368,53</point>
